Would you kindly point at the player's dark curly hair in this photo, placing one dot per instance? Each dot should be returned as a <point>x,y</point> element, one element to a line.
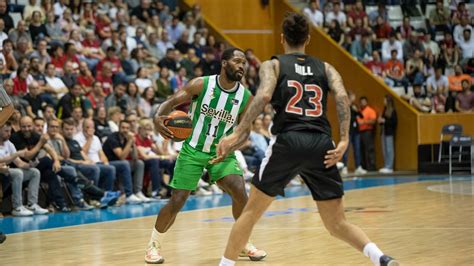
<point>229,53</point>
<point>295,29</point>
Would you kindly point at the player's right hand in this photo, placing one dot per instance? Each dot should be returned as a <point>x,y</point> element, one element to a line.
<point>334,156</point>
<point>161,128</point>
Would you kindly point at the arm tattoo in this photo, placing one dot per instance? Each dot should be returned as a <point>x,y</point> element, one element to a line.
<point>264,95</point>
<point>342,101</point>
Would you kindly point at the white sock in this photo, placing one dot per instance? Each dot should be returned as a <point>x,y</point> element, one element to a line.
<point>156,236</point>
<point>226,262</point>
<point>373,252</point>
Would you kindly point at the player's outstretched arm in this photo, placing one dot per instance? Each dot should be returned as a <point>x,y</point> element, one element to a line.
<point>268,78</point>
<point>343,113</point>
<point>186,94</point>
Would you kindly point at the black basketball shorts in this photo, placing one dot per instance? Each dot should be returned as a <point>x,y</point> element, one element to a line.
<point>298,152</point>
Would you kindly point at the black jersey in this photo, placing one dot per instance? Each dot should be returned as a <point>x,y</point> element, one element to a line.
<point>300,97</point>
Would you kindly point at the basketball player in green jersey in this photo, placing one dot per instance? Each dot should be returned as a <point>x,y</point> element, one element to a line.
<point>218,102</point>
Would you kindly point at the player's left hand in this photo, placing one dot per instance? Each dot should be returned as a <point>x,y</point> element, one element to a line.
<point>334,156</point>
<point>224,148</point>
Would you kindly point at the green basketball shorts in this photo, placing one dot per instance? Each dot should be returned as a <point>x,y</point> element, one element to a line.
<point>191,164</point>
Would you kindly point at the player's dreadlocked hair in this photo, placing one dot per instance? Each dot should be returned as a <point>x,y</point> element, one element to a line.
<point>295,29</point>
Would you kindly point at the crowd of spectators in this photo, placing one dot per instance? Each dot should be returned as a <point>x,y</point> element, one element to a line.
<point>433,64</point>
<point>86,78</point>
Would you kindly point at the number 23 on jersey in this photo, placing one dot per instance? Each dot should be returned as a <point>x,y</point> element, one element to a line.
<point>315,100</point>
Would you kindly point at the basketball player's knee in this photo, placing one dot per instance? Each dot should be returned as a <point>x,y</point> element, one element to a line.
<point>177,202</point>
<point>335,228</point>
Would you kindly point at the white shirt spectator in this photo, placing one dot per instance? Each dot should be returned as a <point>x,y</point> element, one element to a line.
<point>163,46</point>
<point>3,36</point>
<point>315,17</point>
<point>340,17</point>
<point>7,149</point>
<point>56,83</point>
<point>467,47</point>
<point>387,48</point>
<point>437,83</point>
<point>458,33</point>
<point>143,84</point>
<point>59,9</point>
<point>434,47</point>
<point>94,149</point>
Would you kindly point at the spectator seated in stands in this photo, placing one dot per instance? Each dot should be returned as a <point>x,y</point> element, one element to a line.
<point>337,14</point>
<point>395,73</point>
<point>466,44</point>
<point>17,176</point>
<point>437,83</point>
<point>455,81</point>
<point>439,17</point>
<point>465,99</point>
<point>415,68</point>
<point>27,138</point>
<point>392,44</point>
<point>118,147</point>
<point>314,13</point>
<point>411,45</point>
<point>420,101</point>
<point>376,66</point>
<point>153,157</point>
<point>362,49</point>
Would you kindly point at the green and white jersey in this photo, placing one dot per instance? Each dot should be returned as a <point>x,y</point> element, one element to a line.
<point>215,113</point>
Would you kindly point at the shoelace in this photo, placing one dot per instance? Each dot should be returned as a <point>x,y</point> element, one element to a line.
<point>250,247</point>
<point>154,249</point>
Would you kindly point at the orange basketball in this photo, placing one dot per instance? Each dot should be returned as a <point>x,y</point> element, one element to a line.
<point>180,124</point>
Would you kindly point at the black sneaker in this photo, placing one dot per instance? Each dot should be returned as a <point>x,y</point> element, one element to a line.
<point>388,261</point>
<point>64,209</point>
<point>3,237</point>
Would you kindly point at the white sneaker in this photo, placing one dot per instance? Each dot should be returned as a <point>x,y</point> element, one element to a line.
<point>344,170</point>
<point>253,253</point>
<point>215,190</point>
<point>360,171</point>
<point>36,209</point>
<point>203,192</point>
<point>142,197</point>
<point>133,199</point>
<point>22,211</point>
<point>385,171</point>
<point>153,254</point>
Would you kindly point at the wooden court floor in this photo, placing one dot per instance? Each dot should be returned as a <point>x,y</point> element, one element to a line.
<point>418,226</point>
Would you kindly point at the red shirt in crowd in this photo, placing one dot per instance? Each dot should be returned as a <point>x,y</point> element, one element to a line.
<point>145,142</point>
<point>376,68</point>
<point>107,83</point>
<point>20,87</point>
<point>85,81</point>
<point>116,65</point>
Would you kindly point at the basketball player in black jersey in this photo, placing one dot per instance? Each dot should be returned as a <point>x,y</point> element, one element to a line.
<point>297,85</point>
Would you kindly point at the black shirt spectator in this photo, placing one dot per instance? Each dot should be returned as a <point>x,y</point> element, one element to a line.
<point>69,79</point>
<point>21,142</point>
<point>390,124</point>
<point>102,130</point>
<point>144,11</point>
<point>113,141</point>
<point>6,17</point>
<point>168,61</point>
<point>69,101</point>
<point>38,32</point>
<point>74,149</point>
<point>36,102</point>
